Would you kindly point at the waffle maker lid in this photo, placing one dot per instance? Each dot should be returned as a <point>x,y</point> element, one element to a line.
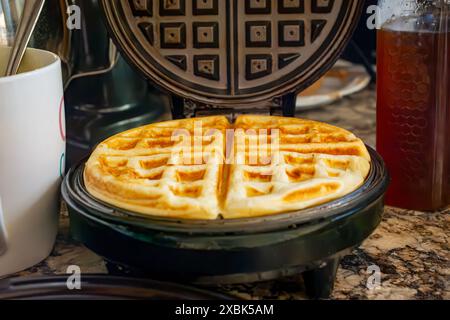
<point>232,53</point>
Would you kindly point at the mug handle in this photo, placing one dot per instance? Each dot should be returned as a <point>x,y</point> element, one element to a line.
<point>3,243</point>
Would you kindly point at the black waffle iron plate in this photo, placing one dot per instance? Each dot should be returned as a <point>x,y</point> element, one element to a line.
<point>231,57</point>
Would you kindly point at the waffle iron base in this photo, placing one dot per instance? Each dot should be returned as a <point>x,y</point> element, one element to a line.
<point>310,242</point>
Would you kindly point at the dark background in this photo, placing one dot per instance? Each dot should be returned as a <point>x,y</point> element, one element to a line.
<point>363,45</point>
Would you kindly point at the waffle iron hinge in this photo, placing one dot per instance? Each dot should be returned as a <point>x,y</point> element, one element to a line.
<point>183,108</point>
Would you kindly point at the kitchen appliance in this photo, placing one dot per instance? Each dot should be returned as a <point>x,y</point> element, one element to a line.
<point>229,251</point>
<point>230,57</point>
<point>100,287</point>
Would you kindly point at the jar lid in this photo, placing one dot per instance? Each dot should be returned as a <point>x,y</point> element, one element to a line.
<point>232,52</point>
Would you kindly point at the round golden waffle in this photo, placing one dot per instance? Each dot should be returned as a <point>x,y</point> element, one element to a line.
<point>206,168</point>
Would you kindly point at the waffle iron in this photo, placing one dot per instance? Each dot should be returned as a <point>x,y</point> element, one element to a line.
<point>230,57</point>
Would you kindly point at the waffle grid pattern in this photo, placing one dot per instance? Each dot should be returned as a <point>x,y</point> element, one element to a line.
<point>310,163</point>
<point>192,38</point>
<point>160,173</point>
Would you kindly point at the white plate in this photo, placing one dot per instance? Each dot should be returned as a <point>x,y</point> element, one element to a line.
<point>336,88</point>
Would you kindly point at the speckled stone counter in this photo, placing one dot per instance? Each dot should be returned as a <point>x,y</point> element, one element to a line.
<point>410,248</point>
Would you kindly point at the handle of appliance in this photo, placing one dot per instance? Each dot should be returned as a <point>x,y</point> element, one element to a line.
<point>3,239</point>
<point>113,60</point>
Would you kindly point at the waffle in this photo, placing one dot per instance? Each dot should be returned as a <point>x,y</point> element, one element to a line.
<point>146,170</point>
<point>311,163</point>
<point>264,166</point>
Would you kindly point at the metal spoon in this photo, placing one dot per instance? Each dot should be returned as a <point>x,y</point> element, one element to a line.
<point>30,15</point>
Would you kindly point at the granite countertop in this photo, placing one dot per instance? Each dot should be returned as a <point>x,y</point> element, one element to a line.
<point>410,248</point>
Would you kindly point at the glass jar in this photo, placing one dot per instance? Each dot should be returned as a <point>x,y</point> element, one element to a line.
<point>413,101</point>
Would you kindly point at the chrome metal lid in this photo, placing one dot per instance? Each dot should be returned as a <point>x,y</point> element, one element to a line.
<point>232,52</point>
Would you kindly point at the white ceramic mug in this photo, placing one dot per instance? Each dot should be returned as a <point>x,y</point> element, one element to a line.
<point>32,148</point>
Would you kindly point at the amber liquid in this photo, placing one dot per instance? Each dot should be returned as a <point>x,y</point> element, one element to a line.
<point>413,123</point>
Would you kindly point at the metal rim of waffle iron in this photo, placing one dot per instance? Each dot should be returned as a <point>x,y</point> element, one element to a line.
<point>253,62</point>
<point>77,197</point>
